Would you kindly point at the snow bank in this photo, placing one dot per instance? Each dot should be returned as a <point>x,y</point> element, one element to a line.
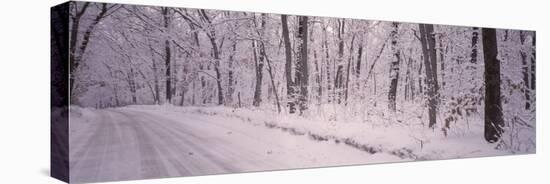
<point>404,141</point>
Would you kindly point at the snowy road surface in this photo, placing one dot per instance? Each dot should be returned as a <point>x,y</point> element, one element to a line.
<point>130,143</point>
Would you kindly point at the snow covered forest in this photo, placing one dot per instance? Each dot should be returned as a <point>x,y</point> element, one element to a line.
<point>421,91</point>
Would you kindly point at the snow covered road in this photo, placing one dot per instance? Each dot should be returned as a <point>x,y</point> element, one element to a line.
<point>133,143</point>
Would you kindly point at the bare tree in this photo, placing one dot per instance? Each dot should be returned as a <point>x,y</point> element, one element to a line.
<point>394,66</point>
<point>75,56</point>
<point>259,61</point>
<point>339,78</point>
<point>290,85</point>
<point>493,106</point>
<point>167,54</point>
<point>230,74</point>
<point>475,38</point>
<point>533,64</point>
<point>211,34</point>
<point>302,72</point>
<point>427,39</point>
<point>525,70</point>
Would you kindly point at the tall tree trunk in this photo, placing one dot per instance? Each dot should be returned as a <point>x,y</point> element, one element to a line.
<point>394,67</point>
<point>290,86</point>
<point>348,70</point>
<point>211,34</point>
<point>525,70</point>
<point>167,55</point>
<point>475,38</point>
<point>533,64</point>
<point>258,66</point>
<point>339,83</point>
<point>317,74</point>
<point>198,46</point>
<point>218,74</point>
<point>259,63</point>
<point>193,100</point>
<point>358,65</point>
<point>408,87</point>
<point>302,72</point>
<point>132,85</point>
<point>270,71</point>
<point>239,99</point>
<point>330,95</point>
<point>493,107</point>
<point>421,90</point>
<point>230,80</point>
<point>156,96</point>
<point>441,60</point>
<point>430,64</point>
<point>411,80</point>
<point>117,101</point>
<point>339,78</point>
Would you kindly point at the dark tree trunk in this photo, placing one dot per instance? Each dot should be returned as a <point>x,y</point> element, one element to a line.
<point>239,99</point>
<point>302,72</point>
<point>339,83</point>
<point>358,64</point>
<point>259,61</point>
<point>230,80</point>
<point>270,71</point>
<point>182,96</point>
<point>493,107</point>
<point>211,34</point>
<point>193,100</point>
<point>132,85</point>
<point>198,45</point>
<point>156,96</point>
<point>420,79</point>
<point>430,64</point>
<point>290,86</point>
<point>327,67</point>
<point>408,84</point>
<point>475,38</point>
<point>411,80</point>
<point>167,56</point>
<point>117,101</point>
<point>259,65</point>
<point>394,67</point>
<point>318,77</point>
<point>318,73</point>
<point>525,70</point>
<point>442,61</point>
<point>533,58</point>
<point>339,78</point>
<point>218,78</point>
<point>348,70</point>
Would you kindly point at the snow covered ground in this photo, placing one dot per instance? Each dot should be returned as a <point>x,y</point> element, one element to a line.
<point>408,141</point>
<point>140,142</point>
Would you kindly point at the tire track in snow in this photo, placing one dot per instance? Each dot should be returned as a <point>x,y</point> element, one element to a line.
<point>187,137</point>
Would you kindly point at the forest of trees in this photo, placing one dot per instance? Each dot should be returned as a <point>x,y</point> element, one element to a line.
<point>442,76</point>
